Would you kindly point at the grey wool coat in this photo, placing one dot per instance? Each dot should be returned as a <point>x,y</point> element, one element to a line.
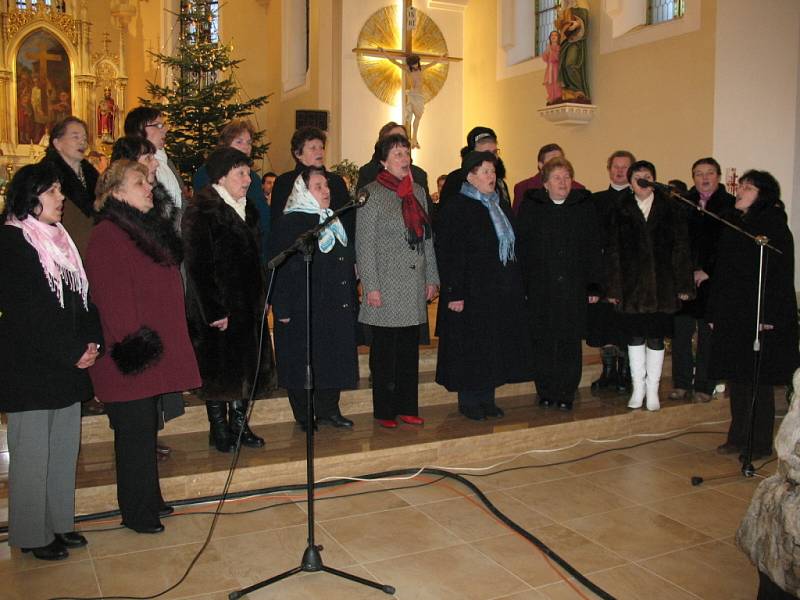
<point>388,264</point>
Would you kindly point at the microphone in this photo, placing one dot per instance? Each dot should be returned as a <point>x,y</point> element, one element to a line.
<point>646,183</point>
<point>362,196</point>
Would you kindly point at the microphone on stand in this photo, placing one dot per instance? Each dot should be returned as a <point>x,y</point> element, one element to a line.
<point>646,183</point>
<point>362,196</point>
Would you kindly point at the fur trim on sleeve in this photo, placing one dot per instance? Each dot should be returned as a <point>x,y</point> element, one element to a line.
<point>137,351</point>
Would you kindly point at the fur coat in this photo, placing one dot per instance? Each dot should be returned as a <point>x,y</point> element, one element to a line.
<point>648,262</point>
<point>132,263</point>
<point>224,280</point>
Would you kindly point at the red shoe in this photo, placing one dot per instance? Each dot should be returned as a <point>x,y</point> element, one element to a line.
<point>411,419</point>
<point>387,423</point>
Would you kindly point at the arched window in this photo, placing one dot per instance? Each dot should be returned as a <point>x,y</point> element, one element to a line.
<point>545,22</point>
<point>660,11</point>
<point>203,25</point>
<point>59,5</point>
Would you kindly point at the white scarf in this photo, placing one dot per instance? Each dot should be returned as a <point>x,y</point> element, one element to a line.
<point>645,205</point>
<point>301,200</point>
<point>619,187</point>
<point>167,178</point>
<point>237,205</point>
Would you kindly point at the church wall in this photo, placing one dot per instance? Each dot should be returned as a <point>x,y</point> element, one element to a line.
<point>655,99</point>
<point>757,113</point>
<point>441,131</point>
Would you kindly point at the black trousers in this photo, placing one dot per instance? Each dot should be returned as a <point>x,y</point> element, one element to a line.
<point>394,356</point>
<point>326,403</point>
<point>690,371</point>
<point>558,368</point>
<point>475,399</point>
<point>769,590</point>
<point>135,425</point>
<point>741,395</point>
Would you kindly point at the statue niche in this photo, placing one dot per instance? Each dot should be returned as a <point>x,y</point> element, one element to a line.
<point>44,85</point>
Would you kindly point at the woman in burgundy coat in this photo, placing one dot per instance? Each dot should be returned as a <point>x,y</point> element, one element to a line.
<point>132,263</point>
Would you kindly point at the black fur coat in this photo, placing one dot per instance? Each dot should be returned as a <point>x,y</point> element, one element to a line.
<point>648,262</point>
<point>224,280</point>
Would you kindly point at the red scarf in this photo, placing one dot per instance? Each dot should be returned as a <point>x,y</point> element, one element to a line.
<point>414,217</point>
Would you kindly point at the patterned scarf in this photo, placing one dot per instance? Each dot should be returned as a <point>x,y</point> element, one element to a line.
<point>58,256</point>
<point>415,218</point>
<point>502,227</point>
<point>301,200</point>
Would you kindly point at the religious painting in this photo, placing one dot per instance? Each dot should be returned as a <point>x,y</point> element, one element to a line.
<point>43,86</point>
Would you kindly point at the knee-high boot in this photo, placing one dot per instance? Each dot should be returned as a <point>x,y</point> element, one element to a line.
<point>654,362</point>
<point>636,359</point>
<point>609,375</point>
<point>219,434</point>
<point>238,420</point>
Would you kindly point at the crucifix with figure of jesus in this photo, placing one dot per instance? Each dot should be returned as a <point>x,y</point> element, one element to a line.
<point>413,66</point>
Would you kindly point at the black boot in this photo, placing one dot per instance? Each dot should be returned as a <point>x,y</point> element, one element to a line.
<point>238,420</point>
<point>219,435</point>
<point>609,375</point>
<point>624,384</point>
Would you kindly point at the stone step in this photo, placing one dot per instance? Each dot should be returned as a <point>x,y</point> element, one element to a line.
<point>195,470</point>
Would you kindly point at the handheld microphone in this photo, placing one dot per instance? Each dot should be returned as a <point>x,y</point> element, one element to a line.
<point>362,196</point>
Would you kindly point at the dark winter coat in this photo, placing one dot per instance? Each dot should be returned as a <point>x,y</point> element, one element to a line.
<point>732,302</point>
<point>339,197</point>
<point>224,279</point>
<point>603,325</point>
<point>648,263</point>
<point>454,179</point>
<point>704,233</point>
<point>559,248</point>
<point>79,211</point>
<point>334,311</point>
<point>487,344</point>
<point>132,262</point>
<point>40,342</point>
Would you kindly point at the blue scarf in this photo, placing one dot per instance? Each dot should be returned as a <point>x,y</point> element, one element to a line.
<point>302,201</point>
<point>502,227</point>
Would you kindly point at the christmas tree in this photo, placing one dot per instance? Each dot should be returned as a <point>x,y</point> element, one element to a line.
<point>202,96</point>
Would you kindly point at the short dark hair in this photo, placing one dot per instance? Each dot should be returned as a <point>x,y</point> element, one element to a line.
<point>303,135</point>
<point>708,160</point>
<point>641,165</point>
<point>547,148</point>
<point>390,141</point>
<point>387,128</point>
<point>222,160</point>
<point>678,185</point>
<point>620,154</point>
<point>22,196</point>
<point>137,120</point>
<point>131,147</point>
<point>769,190</point>
<point>307,172</point>
<point>268,174</point>
<point>473,161</point>
<point>60,128</point>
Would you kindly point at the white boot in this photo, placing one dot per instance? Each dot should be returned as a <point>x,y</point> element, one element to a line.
<point>636,356</point>
<point>654,362</point>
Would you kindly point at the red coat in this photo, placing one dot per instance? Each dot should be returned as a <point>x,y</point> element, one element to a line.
<point>134,292</point>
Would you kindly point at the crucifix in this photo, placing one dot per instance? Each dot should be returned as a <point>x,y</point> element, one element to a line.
<point>413,66</point>
<point>42,57</point>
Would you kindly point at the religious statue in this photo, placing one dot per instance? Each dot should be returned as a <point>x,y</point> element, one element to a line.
<point>106,115</point>
<point>414,99</point>
<point>551,57</point>
<point>572,24</point>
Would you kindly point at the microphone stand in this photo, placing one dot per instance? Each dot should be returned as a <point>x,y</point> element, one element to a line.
<point>311,562</point>
<point>762,242</point>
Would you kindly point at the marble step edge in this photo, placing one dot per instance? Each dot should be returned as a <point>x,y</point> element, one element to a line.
<point>450,452</point>
<point>277,410</point>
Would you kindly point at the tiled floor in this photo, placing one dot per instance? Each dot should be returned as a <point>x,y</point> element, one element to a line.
<point>629,520</point>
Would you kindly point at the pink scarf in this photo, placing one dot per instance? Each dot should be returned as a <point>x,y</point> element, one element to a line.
<point>57,254</point>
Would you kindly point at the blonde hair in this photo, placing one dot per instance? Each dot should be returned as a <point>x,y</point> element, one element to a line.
<point>113,178</point>
<point>233,130</point>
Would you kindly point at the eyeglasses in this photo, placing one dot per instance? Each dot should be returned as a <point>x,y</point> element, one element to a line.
<point>156,125</point>
<point>748,187</point>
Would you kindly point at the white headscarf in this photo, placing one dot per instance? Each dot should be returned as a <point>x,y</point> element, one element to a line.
<point>167,178</point>
<point>301,200</point>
